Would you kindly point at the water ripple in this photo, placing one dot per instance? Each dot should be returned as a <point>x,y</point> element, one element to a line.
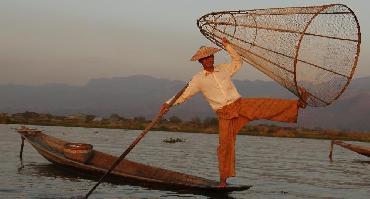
<point>276,167</point>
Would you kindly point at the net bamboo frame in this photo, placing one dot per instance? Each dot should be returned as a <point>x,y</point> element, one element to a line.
<point>315,48</point>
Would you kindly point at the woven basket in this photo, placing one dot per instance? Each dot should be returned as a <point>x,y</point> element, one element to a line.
<point>79,152</point>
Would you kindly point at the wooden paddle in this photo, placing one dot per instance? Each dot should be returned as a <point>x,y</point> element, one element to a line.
<point>133,144</point>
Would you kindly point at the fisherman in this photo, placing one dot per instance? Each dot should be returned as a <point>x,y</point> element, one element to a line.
<point>233,112</point>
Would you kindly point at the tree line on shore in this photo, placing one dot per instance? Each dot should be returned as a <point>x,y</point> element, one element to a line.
<point>175,124</point>
<point>113,121</point>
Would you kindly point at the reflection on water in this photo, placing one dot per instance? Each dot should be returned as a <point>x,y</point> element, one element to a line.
<point>49,170</point>
<point>362,162</point>
<point>53,171</point>
<point>276,167</point>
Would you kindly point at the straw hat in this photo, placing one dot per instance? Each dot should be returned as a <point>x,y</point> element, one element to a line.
<point>203,52</point>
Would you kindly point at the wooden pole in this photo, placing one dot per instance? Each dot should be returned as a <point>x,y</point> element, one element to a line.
<point>21,152</point>
<point>133,144</point>
<point>331,150</point>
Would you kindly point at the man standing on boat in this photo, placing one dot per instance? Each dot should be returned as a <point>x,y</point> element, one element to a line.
<point>233,112</point>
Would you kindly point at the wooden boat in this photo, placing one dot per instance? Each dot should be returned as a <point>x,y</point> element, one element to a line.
<point>128,172</point>
<point>356,148</point>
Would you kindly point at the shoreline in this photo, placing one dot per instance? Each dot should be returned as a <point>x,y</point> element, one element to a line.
<point>174,124</point>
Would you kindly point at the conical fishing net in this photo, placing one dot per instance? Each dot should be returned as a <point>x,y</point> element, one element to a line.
<point>315,48</point>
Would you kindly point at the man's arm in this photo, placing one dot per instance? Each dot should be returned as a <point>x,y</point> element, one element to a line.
<point>236,60</point>
<point>191,90</point>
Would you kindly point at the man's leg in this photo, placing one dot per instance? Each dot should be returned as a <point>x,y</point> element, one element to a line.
<point>280,110</point>
<point>225,150</point>
<point>251,109</point>
<point>228,129</point>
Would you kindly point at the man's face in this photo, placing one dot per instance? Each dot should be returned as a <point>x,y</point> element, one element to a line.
<point>207,62</point>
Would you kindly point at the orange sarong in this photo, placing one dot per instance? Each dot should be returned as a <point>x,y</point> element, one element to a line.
<point>234,116</point>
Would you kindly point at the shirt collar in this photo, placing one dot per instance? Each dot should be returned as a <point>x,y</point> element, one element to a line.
<point>208,73</point>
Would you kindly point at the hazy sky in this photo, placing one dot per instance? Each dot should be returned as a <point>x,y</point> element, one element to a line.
<point>72,41</point>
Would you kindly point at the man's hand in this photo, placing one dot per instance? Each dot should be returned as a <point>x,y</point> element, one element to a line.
<point>225,41</point>
<point>164,108</point>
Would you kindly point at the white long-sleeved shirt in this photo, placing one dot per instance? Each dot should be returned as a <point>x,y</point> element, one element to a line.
<point>216,86</point>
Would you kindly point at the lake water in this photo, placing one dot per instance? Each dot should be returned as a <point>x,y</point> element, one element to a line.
<point>276,167</point>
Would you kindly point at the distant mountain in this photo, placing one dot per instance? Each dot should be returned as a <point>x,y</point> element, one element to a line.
<point>142,96</point>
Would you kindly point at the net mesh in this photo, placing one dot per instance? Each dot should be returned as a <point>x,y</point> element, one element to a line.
<point>315,47</point>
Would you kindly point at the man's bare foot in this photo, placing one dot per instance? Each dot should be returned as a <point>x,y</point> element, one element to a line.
<point>302,102</point>
<point>222,183</point>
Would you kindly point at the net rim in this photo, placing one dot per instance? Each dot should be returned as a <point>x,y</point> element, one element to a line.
<point>322,8</point>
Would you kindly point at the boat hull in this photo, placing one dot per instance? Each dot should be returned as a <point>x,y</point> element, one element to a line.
<point>365,151</point>
<point>127,172</point>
